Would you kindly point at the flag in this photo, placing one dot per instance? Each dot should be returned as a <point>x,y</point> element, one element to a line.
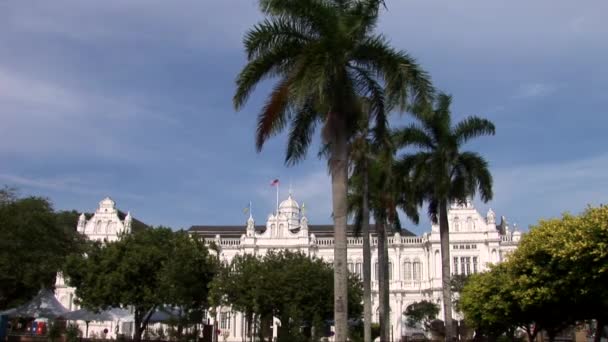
<point>274,182</point>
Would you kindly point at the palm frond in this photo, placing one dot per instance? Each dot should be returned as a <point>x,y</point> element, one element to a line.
<point>273,116</point>
<point>473,127</point>
<point>273,33</point>
<point>320,14</point>
<point>412,135</point>
<point>400,72</point>
<point>477,173</point>
<point>300,136</point>
<point>264,66</point>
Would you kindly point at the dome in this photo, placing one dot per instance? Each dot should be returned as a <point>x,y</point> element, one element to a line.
<point>107,203</point>
<point>289,203</point>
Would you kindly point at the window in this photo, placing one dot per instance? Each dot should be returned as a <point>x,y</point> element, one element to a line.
<point>470,224</point>
<point>358,270</point>
<point>467,247</point>
<point>351,268</point>
<point>417,270</point>
<point>225,320</point>
<point>455,246</point>
<point>376,269</point>
<point>390,271</point>
<point>474,264</point>
<point>455,270</point>
<point>407,270</point>
<point>468,262</point>
<point>462,266</point>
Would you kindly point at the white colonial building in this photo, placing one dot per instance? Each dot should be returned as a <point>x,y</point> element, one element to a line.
<point>414,268</point>
<point>106,224</point>
<point>415,262</point>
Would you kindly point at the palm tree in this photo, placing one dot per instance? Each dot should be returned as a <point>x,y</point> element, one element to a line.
<point>442,173</point>
<point>373,186</point>
<point>358,204</point>
<point>325,56</point>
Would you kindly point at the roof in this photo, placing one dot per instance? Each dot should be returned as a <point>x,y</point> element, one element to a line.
<point>320,230</point>
<point>136,225</point>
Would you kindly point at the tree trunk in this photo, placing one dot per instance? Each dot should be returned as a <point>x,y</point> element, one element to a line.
<point>445,269</point>
<point>367,259</point>
<point>599,329</point>
<point>339,180</point>
<point>383,284</point>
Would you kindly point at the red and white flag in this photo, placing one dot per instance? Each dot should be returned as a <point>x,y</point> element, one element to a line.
<point>274,182</point>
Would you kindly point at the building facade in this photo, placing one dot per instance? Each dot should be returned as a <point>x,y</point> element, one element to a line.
<point>414,261</point>
<point>104,225</point>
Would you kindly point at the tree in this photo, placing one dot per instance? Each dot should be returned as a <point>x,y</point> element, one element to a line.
<point>374,187</point>
<point>143,270</point>
<point>326,56</point>
<point>442,173</point>
<point>421,313</point>
<point>274,288</point>
<point>34,242</point>
<point>489,304</point>
<point>561,268</point>
<point>185,277</point>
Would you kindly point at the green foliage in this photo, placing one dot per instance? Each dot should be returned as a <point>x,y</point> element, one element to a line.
<point>439,173</point>
<point>294,287</point>
<point>488,301</point>
<point>72,332</point>
<point>54,332</point>
<point>34,242</point>
<point>325,56</point>
<point>421,313</point>
<point>145,270</point>
<point>556,277</point>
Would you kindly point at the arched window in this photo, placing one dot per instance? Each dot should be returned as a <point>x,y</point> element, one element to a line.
<point>417,269</point>
<point>407,270</point>
<point>358,269</point>
<point>470,224</point>
<point>390,271</point>
<point>225,320</point>
<point>456,224</point>
<point>437,264</point>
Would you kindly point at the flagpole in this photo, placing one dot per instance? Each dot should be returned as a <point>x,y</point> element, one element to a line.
<point>278,185</point>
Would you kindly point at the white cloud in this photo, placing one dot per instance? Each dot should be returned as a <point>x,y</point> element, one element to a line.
<point>530,192</point>
<point>530,90</point>
<point>69,184</point>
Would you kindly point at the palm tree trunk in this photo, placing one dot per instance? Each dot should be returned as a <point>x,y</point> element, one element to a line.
<point>367,259</point>
<point>339,180</point>
<point>384,309</point>
<point>444,238</point>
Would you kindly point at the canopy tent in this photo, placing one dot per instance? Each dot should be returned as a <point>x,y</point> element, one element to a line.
<point>43,305</point>
<point>165,314</point>
<point>88,316</point>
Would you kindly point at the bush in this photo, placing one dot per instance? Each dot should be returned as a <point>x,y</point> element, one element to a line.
<point>54,332</point>
<point>72,332</point>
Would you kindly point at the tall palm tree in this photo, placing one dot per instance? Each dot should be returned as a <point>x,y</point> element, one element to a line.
<point>358,205</point>
<point>372,186</point>
<point>443,174</point>
<point>325,55</point>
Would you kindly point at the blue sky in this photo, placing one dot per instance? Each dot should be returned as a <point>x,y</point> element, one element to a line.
<point>132,99</point>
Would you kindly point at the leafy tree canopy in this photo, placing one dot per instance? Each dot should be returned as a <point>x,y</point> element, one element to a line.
<point>292,286</point>
<point>556,277</point>
<point>421,313</point>
<point>34,242</point>
<point>145,270</point>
